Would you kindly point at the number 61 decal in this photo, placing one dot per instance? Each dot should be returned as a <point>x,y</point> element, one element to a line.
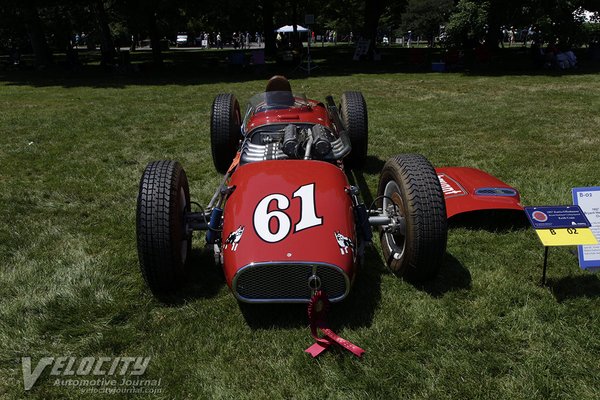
<point>308,214</point>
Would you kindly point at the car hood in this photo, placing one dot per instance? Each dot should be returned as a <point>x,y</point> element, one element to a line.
<point>287,212</point>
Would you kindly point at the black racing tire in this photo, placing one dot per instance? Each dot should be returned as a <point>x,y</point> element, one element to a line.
<point>409,183</point>
<point>163,241</point>
<point>353,109</point>
<point>225,123</point>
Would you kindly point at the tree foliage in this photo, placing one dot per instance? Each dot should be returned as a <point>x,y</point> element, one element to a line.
<point>424,17</point>
<point>555,20</point>
<point>468,23</point>
<point>51,25</point>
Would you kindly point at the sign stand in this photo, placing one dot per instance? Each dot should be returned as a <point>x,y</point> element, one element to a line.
<point>545,265</point>
<point>560,226</point>
<point>309,64</point>
<point>309,19</point>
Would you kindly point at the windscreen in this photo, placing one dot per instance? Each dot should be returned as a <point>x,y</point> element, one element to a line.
<point>275,100</point>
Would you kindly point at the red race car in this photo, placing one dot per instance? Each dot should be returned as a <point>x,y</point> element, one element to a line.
<point>286,222</point>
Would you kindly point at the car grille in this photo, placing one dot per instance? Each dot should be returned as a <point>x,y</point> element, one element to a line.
<point>288,283</point>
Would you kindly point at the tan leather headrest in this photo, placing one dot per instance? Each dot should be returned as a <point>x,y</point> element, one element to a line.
<point>278,83</point>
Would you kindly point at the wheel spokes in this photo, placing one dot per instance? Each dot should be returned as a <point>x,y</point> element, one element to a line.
<point>394,207</point>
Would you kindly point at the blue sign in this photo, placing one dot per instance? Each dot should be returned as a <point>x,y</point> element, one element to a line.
<point>555,217</point>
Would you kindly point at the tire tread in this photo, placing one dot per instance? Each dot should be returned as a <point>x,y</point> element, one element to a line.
<point>427,209</point>
<point>224,130</point>
<point>355,118</point>
<point>158,250</point>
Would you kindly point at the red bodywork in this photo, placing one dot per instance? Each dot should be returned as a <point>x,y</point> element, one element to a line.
<point>316,194</point>
<point>316,113</point>
<point>289,228</point>
<point>469,189</point>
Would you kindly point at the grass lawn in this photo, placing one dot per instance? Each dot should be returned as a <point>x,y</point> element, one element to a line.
<point>71,155</point>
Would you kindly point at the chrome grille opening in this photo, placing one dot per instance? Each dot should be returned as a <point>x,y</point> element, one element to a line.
<point>288,283</point>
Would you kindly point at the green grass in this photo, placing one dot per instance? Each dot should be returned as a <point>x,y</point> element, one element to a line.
<point>72,152</point>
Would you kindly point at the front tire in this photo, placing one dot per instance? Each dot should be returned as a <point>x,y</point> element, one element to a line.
<point>162,238</point>
<point>353,110</point>
<point>225,123</point>
<point>409,188</point>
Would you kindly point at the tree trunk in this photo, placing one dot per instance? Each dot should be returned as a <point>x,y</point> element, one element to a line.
<point>494,22</point>
<point>373,11</point>
<point>269,28</point>
<point>155,41</point>
<point>41,50</point>
<point>296,43</point>
<point>107,47</point>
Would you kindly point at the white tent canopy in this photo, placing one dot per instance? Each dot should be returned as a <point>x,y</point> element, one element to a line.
<point>290,28</point>
<point>586,16</point>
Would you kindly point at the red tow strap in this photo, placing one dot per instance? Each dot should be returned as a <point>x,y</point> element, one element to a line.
<point>235,162</point>
<point>317,311</point>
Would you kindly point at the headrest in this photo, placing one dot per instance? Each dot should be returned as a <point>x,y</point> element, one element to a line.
<point>278,83</point>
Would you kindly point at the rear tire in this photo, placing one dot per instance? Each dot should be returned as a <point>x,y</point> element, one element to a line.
<point>225,123</point>
<point>353,110</point>
<point>162,238</point>
<point>411,186</point>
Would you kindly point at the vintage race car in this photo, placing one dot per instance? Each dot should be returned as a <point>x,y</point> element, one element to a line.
<point>286,222</point>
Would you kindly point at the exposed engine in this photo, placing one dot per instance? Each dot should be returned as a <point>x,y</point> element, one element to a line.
<point>293,141</point>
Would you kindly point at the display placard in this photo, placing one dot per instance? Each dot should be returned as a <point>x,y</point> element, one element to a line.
<point>561,225</point>
<point>566,236</point>
<point>553,217</point>
<point>588,199</point>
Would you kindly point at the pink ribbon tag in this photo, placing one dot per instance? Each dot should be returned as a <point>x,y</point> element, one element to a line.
<point>317,310</point>
<point>316,349</point>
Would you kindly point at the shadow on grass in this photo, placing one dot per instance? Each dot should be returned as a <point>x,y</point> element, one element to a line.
<point>204,279</point>
<point>452,276</point>
<point>490,220</point>
<point>197,67</point>
<point>374,165</point>
<point>356,177</point>
<point>274,316</point>
<point>358,309</point>
<point>574,287</point>
<point>355,311</point>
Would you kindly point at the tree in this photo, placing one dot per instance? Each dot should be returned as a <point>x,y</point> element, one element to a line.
<point>373,11</point>
<point>556,19</point>
<point>475,20</point>
<point>107,47</point>
<point>153,18</point>
<point>424,17</point>
<point>268,27</point>
<point>391,20</point>
<point>467,25</point>
<point>344,16</point>
<point>30,16</point>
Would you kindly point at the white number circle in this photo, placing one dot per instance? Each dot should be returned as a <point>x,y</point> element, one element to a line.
<point>262,218</point>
